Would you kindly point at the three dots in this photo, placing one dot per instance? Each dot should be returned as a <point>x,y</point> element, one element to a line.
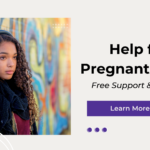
<point>97,129</point>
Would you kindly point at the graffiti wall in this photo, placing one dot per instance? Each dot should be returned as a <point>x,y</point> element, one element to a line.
<point>47,46</point>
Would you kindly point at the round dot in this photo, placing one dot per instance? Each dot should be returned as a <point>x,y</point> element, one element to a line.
<point>96,129</point>
<point>89,129</point>
<point>104,129</point>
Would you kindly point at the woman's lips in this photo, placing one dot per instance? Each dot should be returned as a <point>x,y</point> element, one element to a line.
<point>9,72</point>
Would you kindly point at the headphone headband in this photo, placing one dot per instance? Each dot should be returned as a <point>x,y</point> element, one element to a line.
<point>5,32</point>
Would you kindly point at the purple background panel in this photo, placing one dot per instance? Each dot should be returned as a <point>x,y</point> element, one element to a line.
<point>102,108</point>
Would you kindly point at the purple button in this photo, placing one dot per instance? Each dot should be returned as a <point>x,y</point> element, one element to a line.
<point>118,108</point>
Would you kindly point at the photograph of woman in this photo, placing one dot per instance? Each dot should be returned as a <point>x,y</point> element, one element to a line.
<point>18,109</point>
<point>35,76</point>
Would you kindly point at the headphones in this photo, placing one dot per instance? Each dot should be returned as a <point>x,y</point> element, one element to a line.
<point>5,32</point>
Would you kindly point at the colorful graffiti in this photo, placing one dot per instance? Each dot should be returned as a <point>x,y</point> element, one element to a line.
<point>47,46</point>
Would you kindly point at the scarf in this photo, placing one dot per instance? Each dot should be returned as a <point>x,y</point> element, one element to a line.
<point>12,99</point>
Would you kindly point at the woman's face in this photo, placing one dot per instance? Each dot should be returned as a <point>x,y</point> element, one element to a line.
<point>8,60</point>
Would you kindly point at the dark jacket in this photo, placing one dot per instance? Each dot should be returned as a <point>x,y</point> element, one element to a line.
<point>12,99</point>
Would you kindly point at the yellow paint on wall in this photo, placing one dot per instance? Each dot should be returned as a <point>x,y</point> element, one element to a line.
<point>33,60</point>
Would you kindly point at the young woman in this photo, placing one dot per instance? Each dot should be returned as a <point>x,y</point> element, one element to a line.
<point>18,109</point>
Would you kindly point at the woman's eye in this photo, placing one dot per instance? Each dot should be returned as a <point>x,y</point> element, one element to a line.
<point>15,57</point>
<point>2,58</point>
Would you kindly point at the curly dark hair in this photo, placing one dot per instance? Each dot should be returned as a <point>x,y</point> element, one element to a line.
<point>23,78</point>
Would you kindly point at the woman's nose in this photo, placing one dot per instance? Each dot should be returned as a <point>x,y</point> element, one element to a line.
<point>11,62</point>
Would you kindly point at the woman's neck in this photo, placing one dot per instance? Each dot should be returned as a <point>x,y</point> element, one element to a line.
<point>1,80</point>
